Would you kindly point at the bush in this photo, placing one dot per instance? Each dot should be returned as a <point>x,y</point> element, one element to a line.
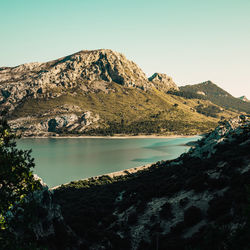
<point>166,211</point>
<point>192,216</point>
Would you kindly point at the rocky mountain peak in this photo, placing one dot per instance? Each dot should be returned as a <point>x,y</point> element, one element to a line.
<point>88,71</point>
<point>111,66</point>
<point>208,82</point>
<point>163,82</point>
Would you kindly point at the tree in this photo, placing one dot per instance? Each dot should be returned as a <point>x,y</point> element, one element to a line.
<point>16,178</point>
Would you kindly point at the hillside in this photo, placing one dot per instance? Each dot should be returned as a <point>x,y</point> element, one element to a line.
<point>197,201</point>
<point>99,92</point>
<point>215,94</point>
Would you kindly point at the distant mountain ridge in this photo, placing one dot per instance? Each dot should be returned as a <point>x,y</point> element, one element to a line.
<point>217,95</point>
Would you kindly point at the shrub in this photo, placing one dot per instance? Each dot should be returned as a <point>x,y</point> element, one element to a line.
<point>166,211</point>
<point>192,216</point>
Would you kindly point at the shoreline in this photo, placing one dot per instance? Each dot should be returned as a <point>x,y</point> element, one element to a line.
<point>112,137</point>
<point>120,172</point>
<point>111,175</point>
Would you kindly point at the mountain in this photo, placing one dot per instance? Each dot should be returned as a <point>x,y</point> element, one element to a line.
<point>98,92</point>
<point>215,94</point>
<point>88,71</point>
<point>244,98</point>
<point>198,201</point>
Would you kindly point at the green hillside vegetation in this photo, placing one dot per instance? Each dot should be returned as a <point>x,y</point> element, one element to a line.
<point>187,94</point>
<point>217,95</point>
<point>131,111</point>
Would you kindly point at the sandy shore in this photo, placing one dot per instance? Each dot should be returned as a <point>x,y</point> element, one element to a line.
<point>117,136</point>
<point>125,171</point>
<point>112,175</point>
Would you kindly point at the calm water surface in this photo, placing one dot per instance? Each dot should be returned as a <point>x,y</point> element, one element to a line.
<point>60,160</point>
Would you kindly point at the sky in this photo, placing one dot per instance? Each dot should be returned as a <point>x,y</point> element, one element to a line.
<point>190,40</point>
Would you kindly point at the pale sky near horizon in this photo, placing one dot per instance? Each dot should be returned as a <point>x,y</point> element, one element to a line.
<point>190,40</point>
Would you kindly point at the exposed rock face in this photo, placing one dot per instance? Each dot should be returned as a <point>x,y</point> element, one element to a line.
<point>85,70</point>
<point>68,120</point>
<point>39,218</point>
<point>224,132</point>
<point>200,93</point>
<point>163,82</point>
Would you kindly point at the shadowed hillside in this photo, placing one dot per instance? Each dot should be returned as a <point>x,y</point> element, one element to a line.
<point>197,201</point>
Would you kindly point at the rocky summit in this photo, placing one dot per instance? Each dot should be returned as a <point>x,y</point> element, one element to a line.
<point>163,82</point>
<point>86,70</point>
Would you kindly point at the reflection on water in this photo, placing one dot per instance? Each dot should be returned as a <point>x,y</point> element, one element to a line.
<point>61,160</point>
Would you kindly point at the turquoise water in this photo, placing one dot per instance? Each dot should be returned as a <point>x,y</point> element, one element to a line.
<point>60,160</point>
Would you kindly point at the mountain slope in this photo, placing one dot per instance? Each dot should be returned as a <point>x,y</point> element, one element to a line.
<point>98,92</point>
<point>197,201</point>
<point>217,95</point>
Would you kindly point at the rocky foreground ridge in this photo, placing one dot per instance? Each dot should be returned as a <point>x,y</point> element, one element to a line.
<point>197,201</point>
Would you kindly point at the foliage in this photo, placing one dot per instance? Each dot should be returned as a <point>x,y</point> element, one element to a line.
<point>16,180</point>
<point>154,127</point>
<point>187,94</point>
<point>210,110</point>
<point>192,216</point>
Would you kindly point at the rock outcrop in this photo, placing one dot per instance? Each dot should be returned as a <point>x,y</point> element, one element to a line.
<point>226,131</point>
<point>67,120</point>
<point>37,218</point>
<point>163,82</point>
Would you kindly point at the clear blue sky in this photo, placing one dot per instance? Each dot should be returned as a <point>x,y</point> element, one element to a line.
<point>190,40</point>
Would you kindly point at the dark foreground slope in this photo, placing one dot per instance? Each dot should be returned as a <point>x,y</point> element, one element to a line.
<point>198,201</point>
<point>215,94</point>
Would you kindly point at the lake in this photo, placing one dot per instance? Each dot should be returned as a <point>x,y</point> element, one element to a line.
<point>61,160</point>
